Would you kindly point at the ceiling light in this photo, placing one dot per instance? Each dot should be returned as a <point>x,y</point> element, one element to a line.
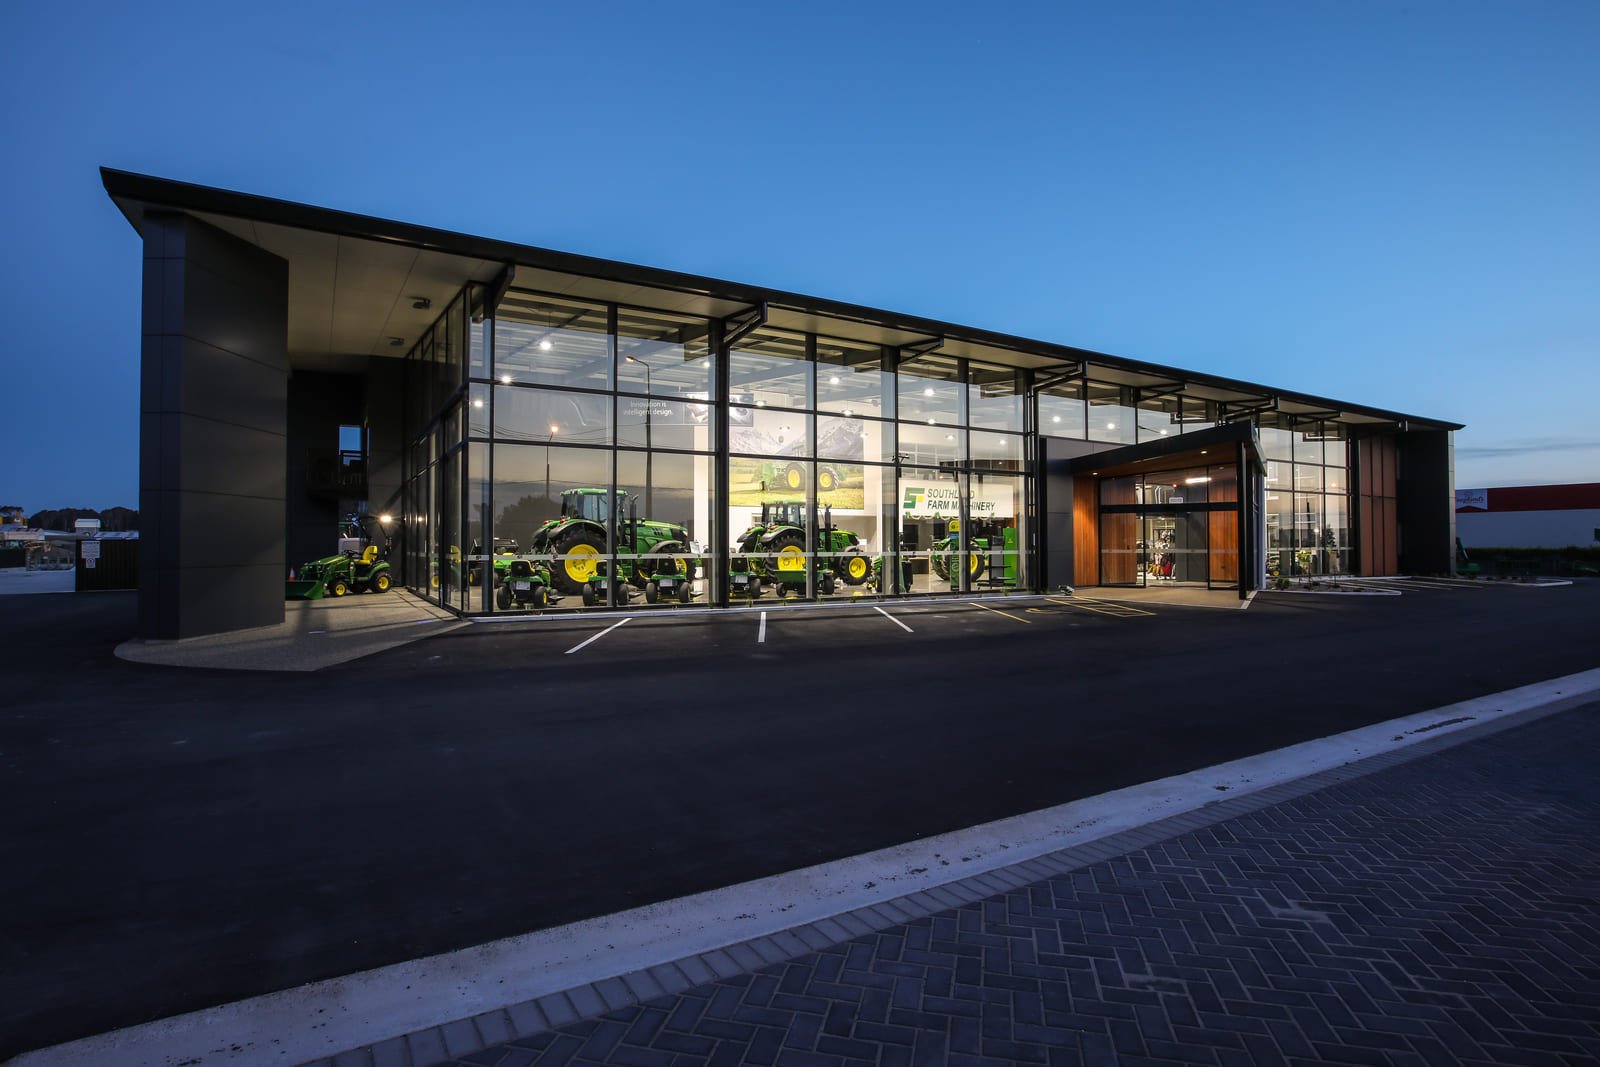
<point>847,411</point>
<point>1111,426</point>
<point>761,403</point>
<point>1055,418</point>
<point>544,346</point>
<point>477,403</point>
<point>930,422</point>
<point>949,437</point>
<point>1195,481</point>
<point>928,391</point>
<point>385,518</point>
<point>833,380</point>
<point>505,379</point>
<point>783,429</point>
<point>1202,451</point>
<point>555,429</point>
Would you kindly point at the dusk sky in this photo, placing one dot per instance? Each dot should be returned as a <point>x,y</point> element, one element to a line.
<point>1390,204</point>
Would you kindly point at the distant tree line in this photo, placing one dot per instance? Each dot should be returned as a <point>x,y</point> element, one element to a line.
<point>112,520</point>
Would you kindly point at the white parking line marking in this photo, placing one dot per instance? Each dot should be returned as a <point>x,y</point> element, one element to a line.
<point>597,636</point>
<point>892,619</point>
<point>761,635</point>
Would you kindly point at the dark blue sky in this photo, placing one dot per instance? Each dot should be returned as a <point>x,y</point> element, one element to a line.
<point>1390,204</point>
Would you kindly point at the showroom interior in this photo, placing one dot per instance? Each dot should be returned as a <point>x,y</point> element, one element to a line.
<point>526,430</point>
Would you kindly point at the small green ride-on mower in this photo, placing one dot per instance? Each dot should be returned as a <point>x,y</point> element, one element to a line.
<point>525,583</point>
<point>340,574</point>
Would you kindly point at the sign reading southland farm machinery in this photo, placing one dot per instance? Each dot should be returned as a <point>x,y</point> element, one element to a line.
<point>942,500</point>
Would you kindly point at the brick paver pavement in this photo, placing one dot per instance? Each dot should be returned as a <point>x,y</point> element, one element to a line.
<point>1440,911</point>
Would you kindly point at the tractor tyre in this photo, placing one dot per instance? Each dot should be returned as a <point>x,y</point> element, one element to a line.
<point>786,554</point>
<point>652,592</point>
<point>589,599</point>
<point>572,575</point>
<point>380,583</point>
<point>338,587</point>
<point>826,584</point>
<point>794,477</point>
<point>855,568</point>
<point>827,480</point>
<point>977,561</point>
<point>541,597</point>
<point>939,566</point>
<point>502,597</point>
<point>685,593</point>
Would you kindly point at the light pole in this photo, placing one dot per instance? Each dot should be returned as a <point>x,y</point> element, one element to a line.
<point>553,431</point>
<point>649,452</point>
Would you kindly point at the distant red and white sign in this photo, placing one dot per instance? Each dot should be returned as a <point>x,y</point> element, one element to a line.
<point>1472,500</point>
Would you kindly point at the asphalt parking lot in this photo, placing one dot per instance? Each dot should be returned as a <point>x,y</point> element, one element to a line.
<point>184,838</point>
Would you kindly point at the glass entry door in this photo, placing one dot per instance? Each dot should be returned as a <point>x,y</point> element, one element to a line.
<point>1174,549</point>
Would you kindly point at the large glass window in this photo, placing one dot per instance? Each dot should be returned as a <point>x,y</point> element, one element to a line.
<point>1061,410</point>
<point>1112,416</point>
<point>853,379</point>
<point>771,369</point>
<point>994,398</point>
<point>931,392</point>
<point>551,341</point>
<point>664,355</point>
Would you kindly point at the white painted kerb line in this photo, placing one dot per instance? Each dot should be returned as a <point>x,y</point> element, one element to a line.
<point>596,637</point>
<point>761,634</point>
<point>892,619</point>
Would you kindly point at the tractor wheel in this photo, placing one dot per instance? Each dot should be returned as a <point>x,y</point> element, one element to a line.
<point>380,584</point>
<point>585,547</point>
<point>337,587</point>
<point>652,592</point>
<point>826,480</point>
<point>826,584</point>
<point>937,563</point>
<point>976,561</point>
<point>795,477</point>
<point>541,597</point>
<point>787,554</point>
<point>502,597</point>
<point>589,598</point>
<point>685,593</point>
<point>855,568</point>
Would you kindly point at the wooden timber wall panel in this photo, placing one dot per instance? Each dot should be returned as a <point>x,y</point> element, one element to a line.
<point>1379,527</point>
<point>1085,532</point>
<point>1223,536</point>
<point>1119,558</point>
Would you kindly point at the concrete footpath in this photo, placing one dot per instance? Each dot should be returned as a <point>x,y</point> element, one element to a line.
<point>1418,891</point>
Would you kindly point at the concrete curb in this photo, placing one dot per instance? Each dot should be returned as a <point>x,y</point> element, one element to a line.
<point>451,1005</point>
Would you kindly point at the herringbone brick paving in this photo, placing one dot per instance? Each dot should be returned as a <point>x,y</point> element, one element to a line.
<point>1442,911</point>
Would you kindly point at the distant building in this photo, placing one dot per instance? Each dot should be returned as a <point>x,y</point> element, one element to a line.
<point>1529,516</point>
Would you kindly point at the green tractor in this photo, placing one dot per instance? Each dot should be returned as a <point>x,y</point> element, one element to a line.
<point>946,552</point>
<point>791,475</point>
<point>774,550</point>
<point>576,541</point>
<point>337,575</point>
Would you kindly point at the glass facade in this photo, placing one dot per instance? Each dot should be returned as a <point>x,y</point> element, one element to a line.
<point>582,455</point>
<point>578,454</point>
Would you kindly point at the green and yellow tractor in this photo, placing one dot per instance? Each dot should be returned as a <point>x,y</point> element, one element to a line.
<point>340,574</point>
<point>773,550</point>
<point>575,544</point>
<point>987,538</point>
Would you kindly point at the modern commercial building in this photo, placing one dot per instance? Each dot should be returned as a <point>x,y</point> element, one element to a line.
<point>300,362</point>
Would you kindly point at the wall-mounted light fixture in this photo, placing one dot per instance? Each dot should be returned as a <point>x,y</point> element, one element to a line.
<point>421,303</point>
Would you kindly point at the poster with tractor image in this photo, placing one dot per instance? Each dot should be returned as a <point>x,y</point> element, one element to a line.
<point>785,472</point>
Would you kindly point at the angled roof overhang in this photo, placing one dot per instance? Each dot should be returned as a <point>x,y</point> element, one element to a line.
<point>1211,446</point>
<point>355,282</point>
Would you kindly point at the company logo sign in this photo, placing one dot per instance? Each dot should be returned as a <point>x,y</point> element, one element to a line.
<point>1472,500</point>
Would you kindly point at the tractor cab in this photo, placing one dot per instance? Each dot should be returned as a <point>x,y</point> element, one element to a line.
<point>591,504</point>
<point>784,513</point>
